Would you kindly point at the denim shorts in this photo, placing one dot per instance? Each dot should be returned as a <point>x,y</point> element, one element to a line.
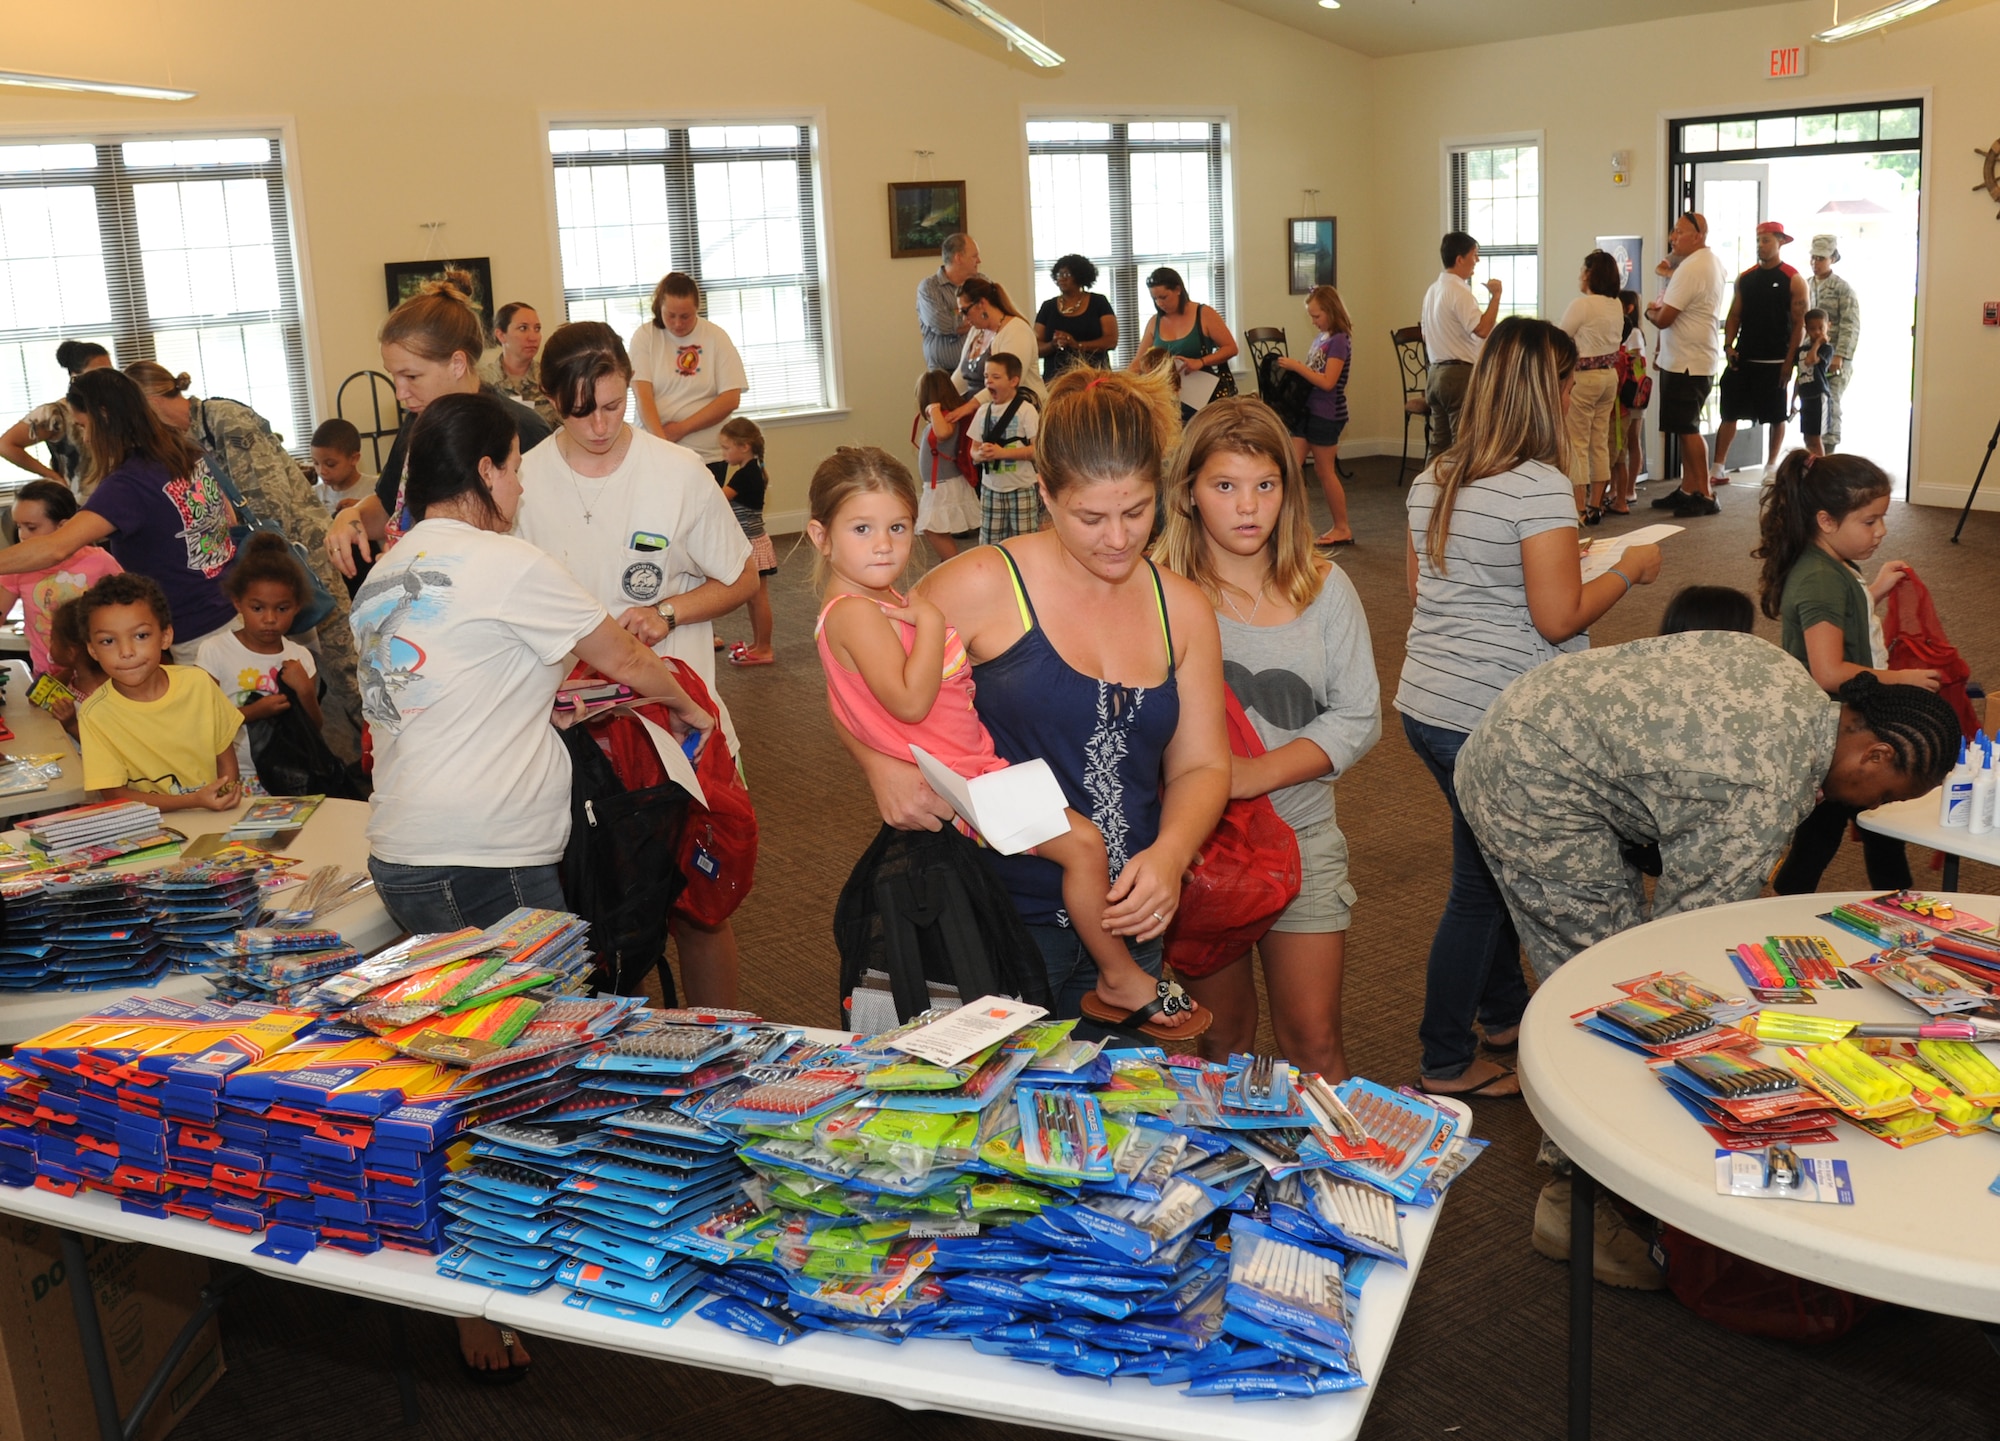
<point>423,899</point>
<point>1325,902</point>
<point>1318,429</point>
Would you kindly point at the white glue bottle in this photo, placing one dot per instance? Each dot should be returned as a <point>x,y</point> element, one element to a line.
<point>1981,818</point>
<point>1955,797</point>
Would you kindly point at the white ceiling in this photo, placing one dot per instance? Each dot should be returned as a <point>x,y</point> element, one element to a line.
<point>1398,27</point>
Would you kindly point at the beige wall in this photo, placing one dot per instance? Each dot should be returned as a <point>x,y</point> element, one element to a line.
<point>1604,90</point>
<point>410,113</point>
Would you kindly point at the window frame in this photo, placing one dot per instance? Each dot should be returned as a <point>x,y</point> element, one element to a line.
<point>1222,191</point>
<point>1449,149</point>
<point>820,238</point>
<point>302,352</point>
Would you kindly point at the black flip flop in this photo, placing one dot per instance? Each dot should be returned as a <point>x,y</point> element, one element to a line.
<point>510,1374</point>
<point>1478,1092</point>
<point>1499,1049</point>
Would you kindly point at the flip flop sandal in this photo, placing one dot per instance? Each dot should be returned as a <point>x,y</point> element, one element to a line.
<point>1170,1003</point>
<point>740,655</point>
<point>1323,543</point>
<point>510,1374</point>
<point>1484,1090</point>
<point>1499,1048</point>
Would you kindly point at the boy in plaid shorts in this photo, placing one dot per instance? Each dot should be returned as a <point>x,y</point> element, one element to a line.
<point>1003,430</point>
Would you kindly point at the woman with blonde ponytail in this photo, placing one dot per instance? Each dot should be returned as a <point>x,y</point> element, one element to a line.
<point>1497,589</point>
<point>1110,669</point>
<point>431,345</point>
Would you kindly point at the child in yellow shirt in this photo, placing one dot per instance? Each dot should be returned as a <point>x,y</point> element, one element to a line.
<point>158,733</point>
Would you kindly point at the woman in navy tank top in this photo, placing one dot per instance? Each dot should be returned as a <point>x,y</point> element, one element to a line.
<point>1086,655</point>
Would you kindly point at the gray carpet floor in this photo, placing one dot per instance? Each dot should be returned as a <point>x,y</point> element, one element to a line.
<point>1481,1353</point>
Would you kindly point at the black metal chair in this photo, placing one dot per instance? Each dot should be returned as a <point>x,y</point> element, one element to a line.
<point>380,388</point>
<point>1267,340</point>
<point>1414,362</point>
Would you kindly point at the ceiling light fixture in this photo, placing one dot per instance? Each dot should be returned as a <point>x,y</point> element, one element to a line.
<point>1329,4</point>
<point>94,87</point>
<point>1873,20</point>
<point>1014,35</point>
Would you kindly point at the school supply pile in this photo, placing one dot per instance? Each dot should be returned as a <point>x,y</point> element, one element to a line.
<point>273,816</point>
<point>109,830</point>
<point>308,1127</point>
<point>1101,1213</point>
<point>199,906</point>
<point>97,931</point>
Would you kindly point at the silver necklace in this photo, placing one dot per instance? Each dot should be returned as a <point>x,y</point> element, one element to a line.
<point>1255,606</point>
<point>577,490</point>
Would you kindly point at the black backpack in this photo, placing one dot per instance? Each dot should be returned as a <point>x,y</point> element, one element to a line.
<point>293,760</point>
<point>1285,391</point>
<point>621,870</point>
<point>923,907</point>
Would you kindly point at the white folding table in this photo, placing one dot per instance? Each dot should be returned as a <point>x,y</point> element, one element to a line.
<point>1917,823</point>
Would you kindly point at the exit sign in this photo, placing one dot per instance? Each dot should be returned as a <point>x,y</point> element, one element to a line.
<point>1787,63</point>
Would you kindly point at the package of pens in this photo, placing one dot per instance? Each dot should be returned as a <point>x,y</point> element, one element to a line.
<point>1137,1081</point>
<point>775,1093</point>
<point>670,1050</point>
<point>1327,1210</point>
<point>1062,1135</point>
<point>1287,1284</point>
<point>988,1082</point>
<point>1205,1100</point>
<point>1926,983</point>
<point>1414,1136</point>
<point>1731,1075</point>
<point>1257,1083</point>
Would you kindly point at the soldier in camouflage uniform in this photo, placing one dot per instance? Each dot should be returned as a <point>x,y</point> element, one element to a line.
<point>1711,745</point>
<point>242,452</point>
<point>1843,327</point>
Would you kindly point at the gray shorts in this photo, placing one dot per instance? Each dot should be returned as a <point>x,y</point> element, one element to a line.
<point>1325,902</point>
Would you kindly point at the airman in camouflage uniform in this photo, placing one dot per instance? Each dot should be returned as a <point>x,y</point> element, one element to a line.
<point>1711,745</point>
<point>239,445</point>
<point>1843,327</point>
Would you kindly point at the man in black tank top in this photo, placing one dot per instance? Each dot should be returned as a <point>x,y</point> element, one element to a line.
<point>1761,344</point>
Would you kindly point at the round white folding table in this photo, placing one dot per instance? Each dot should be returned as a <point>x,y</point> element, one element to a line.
<point>1623,1130</point>
<point>336,834</point>
<point>1916,822</point>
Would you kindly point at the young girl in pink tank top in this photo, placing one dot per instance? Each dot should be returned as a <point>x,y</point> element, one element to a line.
<point>897,676</point>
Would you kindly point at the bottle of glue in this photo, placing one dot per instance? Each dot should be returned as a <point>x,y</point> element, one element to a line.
<point>1955,796</point>
<point>1981,819</point>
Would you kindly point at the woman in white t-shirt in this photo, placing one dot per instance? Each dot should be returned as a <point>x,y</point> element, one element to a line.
<point>1596,322</point>
<point>686,374</point>
<point>645,528</point>
<point>465,633</point>
<point>997,329</point>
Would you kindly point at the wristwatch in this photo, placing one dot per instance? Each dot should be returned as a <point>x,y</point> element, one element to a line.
<point>666,609</point>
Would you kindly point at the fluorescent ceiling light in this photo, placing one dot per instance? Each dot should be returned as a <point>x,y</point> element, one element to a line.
<point>95,87</point>
<point>1329,4</point>
<point>1014,35</point>
<point>1873,20</point>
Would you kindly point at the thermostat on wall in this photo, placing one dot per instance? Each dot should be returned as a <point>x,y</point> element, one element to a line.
<point>1992,315</point>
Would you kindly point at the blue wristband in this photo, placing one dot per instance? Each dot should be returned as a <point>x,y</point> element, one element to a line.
<point>1622,576</point>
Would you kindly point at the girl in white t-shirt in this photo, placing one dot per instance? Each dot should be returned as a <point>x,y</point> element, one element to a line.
<point>268,588</point>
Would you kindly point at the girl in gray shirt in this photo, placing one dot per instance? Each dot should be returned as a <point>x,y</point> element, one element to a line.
<point>1296,654</point>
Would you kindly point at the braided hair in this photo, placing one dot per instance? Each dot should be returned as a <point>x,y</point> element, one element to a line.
<point>1915,723</point>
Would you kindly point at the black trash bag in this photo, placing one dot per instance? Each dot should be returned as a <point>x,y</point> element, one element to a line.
<point>293,760</point>
<point>621,870</point>
<point>1285,391</point>
<point>923,907</point>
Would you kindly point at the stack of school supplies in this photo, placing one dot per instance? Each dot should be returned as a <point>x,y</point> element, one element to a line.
<point>24,940</point>
<point>196,907</point>
<point>278,967</point>
<point>99,933</point>
<point>272,816</point>
<point>1039,1199</point>
<point>109,830</point>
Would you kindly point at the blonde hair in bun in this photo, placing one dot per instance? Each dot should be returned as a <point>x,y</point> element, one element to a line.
<point>439,321</point>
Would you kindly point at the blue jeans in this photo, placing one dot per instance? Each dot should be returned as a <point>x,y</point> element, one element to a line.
<point>1073,974</point>
<point>1475,961</point>
<point>424,899</point>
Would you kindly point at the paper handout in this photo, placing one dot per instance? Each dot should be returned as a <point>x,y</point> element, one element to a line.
<point>1013,810</point>
<point>1605,550</point>
<point>969,1029</point>
<point>1198,388</point>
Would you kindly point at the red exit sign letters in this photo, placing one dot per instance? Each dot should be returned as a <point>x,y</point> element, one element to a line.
<point>1787,63</point>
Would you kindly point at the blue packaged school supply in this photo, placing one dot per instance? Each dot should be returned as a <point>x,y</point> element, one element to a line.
<point>747,1320</point>
<point>1287,1284</point>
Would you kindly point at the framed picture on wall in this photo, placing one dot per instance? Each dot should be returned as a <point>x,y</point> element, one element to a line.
<point>1630,253</point>
<point>921,214</point>
<point>1310,255</point>
<point>407,277</point>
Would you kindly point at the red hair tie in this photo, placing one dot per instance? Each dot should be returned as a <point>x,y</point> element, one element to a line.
<point>1096,381</point>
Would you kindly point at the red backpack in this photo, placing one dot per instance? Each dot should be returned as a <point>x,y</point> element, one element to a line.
<point>1244,876</point>
<point>961,451</point>
<point>1917,641</point>
<point>719,847</point>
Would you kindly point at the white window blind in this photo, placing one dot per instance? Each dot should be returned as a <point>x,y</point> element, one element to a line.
<point>1496,198</point>
<point>175,250</point>
<point>734,207</point>
<point>1132,196</point>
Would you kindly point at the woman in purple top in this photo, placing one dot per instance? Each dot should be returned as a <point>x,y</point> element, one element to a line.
<point>154,506</point>
<point>1318,430</point>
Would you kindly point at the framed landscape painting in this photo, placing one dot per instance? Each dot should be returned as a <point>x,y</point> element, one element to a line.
<point>921,214</point>
<point>407,277</point>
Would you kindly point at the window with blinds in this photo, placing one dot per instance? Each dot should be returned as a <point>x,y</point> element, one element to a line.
<point>1496,198</point>
<point>175,250</point>
<point>1132,195</point>
<point>733,206</point>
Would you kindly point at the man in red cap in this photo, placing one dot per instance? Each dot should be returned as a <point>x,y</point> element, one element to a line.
<point>1761,345</point>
